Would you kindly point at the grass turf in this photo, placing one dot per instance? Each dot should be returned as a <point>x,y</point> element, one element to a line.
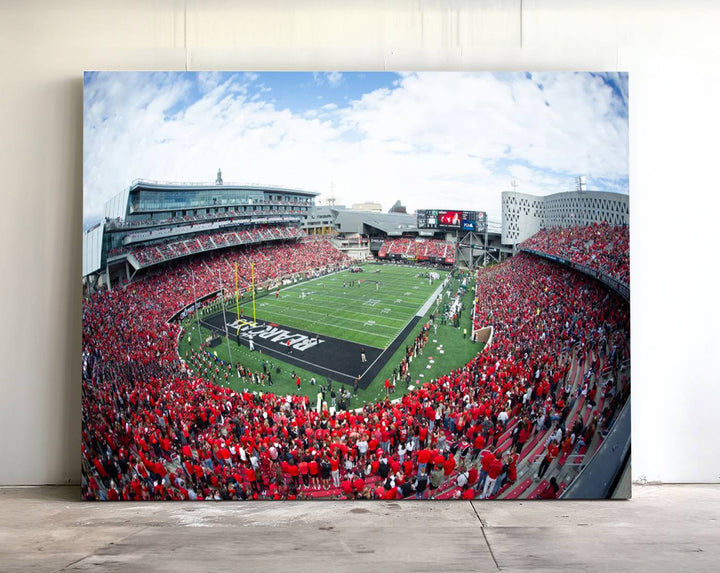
<point>359,313</point>
<point>373,311</point>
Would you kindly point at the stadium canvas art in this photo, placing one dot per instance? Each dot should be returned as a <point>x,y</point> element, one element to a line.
<point>355,286</point>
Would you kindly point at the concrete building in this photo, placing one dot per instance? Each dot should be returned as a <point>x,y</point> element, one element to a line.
<point>523,215</point>
<point>368,206</point>
<point>190,216</point>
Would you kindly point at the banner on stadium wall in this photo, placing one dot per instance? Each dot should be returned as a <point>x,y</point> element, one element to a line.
<point>231,352</point>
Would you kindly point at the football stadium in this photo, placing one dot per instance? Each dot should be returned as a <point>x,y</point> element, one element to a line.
<point>243,342</point>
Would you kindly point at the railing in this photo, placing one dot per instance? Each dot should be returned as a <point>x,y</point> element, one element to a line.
<point>185,229</point>
<point>598,478</point>
<point>171,251</point>
<point>620,287</point>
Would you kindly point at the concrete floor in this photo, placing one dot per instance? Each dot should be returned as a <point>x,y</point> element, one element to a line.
<point>663,528</point>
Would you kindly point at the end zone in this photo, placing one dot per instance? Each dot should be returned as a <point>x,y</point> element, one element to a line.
<point>327,356</point>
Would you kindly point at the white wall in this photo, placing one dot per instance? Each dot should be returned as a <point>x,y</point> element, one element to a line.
<point>670,48</point>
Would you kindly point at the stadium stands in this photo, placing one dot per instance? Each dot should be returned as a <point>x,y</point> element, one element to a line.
<point>601,246</point>
<point>148,255</point>
<point>153,430</point>
<point>417,249</point>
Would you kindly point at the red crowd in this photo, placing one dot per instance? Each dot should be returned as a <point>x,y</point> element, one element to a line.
<point>601,246</point>
<point>417,249</point>
<point>175,248</point>
<point>151,430</point>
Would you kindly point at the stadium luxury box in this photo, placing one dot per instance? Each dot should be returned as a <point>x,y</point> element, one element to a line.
<point>417,287</point>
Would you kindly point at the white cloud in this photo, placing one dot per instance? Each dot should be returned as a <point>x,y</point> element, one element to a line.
<point>432,140</point>
<point>483,115</point>
<point>334,78</point>
<point>208,80</point>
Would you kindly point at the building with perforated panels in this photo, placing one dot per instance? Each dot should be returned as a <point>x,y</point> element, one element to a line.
<point>523,215</point>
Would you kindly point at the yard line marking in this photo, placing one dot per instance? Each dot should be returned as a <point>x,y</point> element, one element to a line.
<point>328,315</point>
<point>420,314</point>
<point>386,338</point>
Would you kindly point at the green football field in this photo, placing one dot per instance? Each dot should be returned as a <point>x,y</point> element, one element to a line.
<point>371,307</point>
<point>365,313</point>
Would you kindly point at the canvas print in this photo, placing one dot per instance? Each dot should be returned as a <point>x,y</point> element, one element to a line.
<point>343,286</point>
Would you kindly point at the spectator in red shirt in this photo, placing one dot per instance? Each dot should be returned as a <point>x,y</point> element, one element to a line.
<point>523,434</point>
<point>138,398</point>
<point>449,466</point>
<point>551,491</point>
<point>347,487</point>
<point>314,470</point>
<point>358,484</point>
<point>486,458</point>
<point>478,445</point>
<point>472,476</point>
<point>251,477</point>
<point>550,455</point>
<point>294,472</point>
<point>423,458</point>
<point>304,470</point>
<point>494,469</point>
<point>335,470</point>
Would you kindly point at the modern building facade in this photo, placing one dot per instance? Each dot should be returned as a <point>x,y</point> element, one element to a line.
<point>152,222</point>
<point>523,215</point>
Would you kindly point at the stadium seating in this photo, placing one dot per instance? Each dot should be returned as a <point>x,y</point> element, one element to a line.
<point>153,429</point>
<point>417,249</point>
<point>602,247</point>
<point>181,247</point>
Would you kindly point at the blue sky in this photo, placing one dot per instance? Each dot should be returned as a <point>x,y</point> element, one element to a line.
<point>432,140</point>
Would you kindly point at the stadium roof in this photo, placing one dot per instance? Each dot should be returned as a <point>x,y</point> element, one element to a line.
<point>194,185</point>
<point>393,224</point>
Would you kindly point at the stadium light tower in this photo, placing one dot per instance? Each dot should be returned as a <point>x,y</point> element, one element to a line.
<point>580,183</point>
<point>218,179</point>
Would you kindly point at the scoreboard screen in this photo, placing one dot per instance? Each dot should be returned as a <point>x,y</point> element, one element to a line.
<point>452,220</point>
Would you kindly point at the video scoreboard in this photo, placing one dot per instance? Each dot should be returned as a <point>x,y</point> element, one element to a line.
<point>442,220</point>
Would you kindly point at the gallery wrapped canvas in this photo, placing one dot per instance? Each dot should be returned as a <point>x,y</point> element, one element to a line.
<point>382,286</point>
